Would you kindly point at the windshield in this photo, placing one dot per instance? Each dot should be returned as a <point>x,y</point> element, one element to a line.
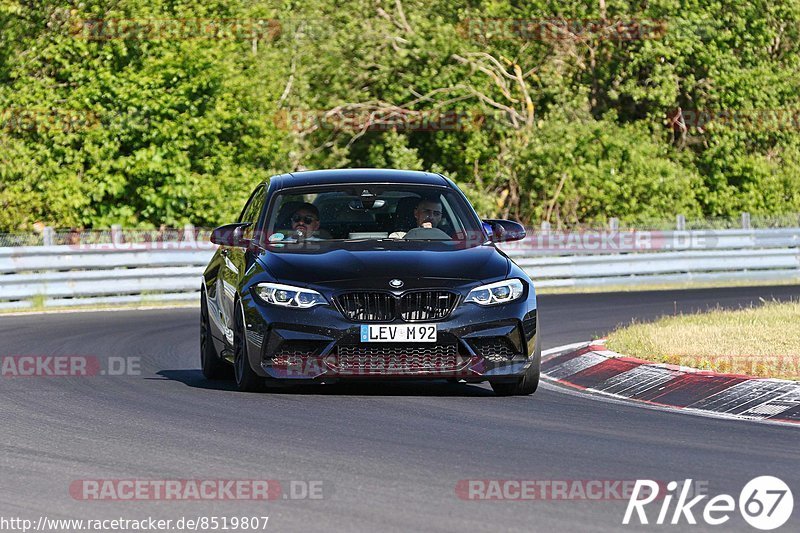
<point>371,213</point>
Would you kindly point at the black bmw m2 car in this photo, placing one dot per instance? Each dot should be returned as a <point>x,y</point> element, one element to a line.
<point>367,274</point>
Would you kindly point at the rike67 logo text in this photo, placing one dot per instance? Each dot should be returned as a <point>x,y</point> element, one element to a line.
<point>765,503</point>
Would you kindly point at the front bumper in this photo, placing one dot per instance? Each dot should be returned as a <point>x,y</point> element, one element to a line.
<point>474,343</point>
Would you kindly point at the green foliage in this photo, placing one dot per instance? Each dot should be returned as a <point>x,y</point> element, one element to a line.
<point>571,129</point>
<point>577,170</point>
<point>165,128</point>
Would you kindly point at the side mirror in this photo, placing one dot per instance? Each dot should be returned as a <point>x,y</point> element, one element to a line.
<point>231,235</point>
<point>505,230</point>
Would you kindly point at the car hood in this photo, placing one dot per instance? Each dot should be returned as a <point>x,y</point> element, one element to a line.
<point>416,267</point>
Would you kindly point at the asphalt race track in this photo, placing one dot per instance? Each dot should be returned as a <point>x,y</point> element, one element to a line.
<point>389,455</point>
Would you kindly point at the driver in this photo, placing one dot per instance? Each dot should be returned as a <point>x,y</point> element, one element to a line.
<point>428,215</point>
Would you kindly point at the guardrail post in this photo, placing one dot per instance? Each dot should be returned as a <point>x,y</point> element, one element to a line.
<point>680,223</point>
<point>116,234</point>
<point>613,223</point>
<point>745,220</point>
<point>48,236</point>
<point>188,233</point>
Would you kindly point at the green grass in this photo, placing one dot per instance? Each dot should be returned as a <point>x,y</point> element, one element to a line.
<point>758,341</point>
<point>37,302</point>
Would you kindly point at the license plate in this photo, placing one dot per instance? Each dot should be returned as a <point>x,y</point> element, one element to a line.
<point>398,333</point>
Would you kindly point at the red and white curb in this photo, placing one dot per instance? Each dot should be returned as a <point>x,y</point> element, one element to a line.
<point>591,367</point>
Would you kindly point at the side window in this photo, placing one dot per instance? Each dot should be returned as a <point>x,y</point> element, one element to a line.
<point>450,219</point>
<point>252,211</point>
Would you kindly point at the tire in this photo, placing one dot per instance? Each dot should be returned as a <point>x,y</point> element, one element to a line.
<point>529,382</point>
<point>246,378</point>
<point>213,367</point>
<point>525,386</point>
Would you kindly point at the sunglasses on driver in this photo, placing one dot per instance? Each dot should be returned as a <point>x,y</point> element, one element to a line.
<point>306,219</point>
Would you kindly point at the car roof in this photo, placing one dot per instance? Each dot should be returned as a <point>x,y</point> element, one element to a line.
<point>359,175</point>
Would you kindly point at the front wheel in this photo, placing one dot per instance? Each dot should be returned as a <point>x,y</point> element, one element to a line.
<point>529,381</point>
<point>525,386</point>
<point>246,378</point>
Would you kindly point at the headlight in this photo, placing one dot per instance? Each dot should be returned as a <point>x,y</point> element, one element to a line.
<point>496,293</point>
<point>288,296</point>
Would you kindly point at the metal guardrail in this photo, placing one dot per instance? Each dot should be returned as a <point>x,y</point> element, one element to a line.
<point>119,272</point>
<point>69,275</point>
<point>587,259</point>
